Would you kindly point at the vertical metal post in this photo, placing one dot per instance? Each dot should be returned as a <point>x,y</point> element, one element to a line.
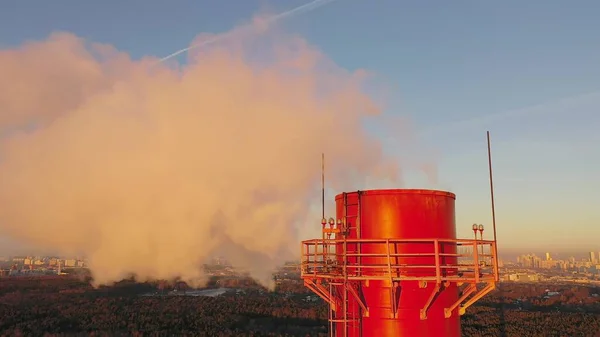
<point>316,261</point>
<point>303,260</point>
<point>325,246</point>
<point>345,261</point>
<point>390,278</point>
<point>481,237</point>
<point>359,314</point>
<point>489,148</point>
<point>358,230</point>
<point>438,273</point>
<point>322,185</point>
<point>331,331</point>
<point>495,262</point>
<point>476,260</point>
<point>345,289</point>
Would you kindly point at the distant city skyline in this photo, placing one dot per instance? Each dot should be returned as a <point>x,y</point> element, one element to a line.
<point>529,74</point>
<point>505,257</point>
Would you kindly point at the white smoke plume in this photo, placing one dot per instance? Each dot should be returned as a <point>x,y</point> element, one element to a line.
<point>149,169</point>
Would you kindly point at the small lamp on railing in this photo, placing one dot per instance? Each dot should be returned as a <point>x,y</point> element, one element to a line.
<point>339,223</point>
<point>475,228</point>
<point>331,222</point>
<point>323,222</point>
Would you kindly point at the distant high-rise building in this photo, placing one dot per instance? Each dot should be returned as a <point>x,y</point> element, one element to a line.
<point>548,258</point>
<point>593,257</point>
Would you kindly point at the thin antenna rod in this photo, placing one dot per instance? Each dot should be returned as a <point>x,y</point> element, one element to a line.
<point>489,148</point>
<point>322,185</point>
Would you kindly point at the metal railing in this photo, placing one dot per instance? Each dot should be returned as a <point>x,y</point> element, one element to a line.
<point>437,260</point>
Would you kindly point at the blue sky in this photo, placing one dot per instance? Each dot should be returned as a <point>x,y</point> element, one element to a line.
<point>528,71</point>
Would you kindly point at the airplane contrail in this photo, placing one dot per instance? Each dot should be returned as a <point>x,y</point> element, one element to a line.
<point>562,105</point>
<point>294,11</point>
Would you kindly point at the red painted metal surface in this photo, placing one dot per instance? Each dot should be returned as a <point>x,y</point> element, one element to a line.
<point>388,265</point>
<point>348,209</point>
<point>404,214</point>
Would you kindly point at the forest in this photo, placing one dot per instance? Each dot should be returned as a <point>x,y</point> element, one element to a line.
<point>69,306</point>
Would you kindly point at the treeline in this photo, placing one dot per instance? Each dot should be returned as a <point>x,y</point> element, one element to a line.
<point>50,306</point>
<point>53,306</point>
<point>487,321</point>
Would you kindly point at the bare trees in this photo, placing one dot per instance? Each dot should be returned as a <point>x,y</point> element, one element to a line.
<point>62,306</point>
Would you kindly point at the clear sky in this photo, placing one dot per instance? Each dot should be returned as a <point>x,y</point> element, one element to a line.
<point>528,71</point>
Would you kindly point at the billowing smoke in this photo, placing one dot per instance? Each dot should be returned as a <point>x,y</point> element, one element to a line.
<point>150,168</point>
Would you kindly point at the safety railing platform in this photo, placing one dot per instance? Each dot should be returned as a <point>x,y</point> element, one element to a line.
<point>470,262</point>
<point>323,258</point>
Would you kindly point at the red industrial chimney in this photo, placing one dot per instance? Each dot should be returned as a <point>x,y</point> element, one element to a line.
<point>390,265</point>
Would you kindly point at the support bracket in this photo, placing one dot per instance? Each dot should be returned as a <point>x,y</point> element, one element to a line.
<point>468,291</point>
<point>489,287</point>
<point>360,300</point>
<point>322,292</point>
<point>394,298</point>
<point>436,290</point>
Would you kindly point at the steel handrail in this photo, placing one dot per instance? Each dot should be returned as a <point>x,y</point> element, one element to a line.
<point>324,263</point>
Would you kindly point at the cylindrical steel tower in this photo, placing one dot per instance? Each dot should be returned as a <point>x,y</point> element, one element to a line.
<point>405,214</point>
<point>389,265</point>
